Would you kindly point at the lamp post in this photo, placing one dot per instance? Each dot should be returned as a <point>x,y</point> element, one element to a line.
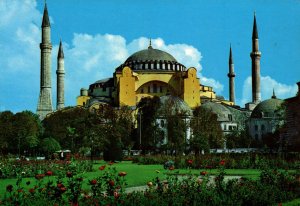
<point>140,131</point>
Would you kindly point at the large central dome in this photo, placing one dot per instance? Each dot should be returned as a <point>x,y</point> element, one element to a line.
<point>152,60</point>
<point>151,55</point>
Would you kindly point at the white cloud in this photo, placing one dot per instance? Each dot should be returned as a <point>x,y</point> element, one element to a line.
<point>282,91</point>
<point>217,86</point>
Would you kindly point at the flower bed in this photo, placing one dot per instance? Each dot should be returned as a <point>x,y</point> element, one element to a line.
<point>233,161</point>
<point>15,168</point>
<point>273,187</point>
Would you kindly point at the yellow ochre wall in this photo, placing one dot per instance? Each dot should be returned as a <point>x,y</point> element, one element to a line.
<point>82,100</point>
<point>126,88</point>
<point>134,86</point>
<point>191,88</point>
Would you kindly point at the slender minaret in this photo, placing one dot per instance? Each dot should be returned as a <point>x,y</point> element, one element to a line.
<point>45,98</point>
<point>60,73</point>
<point>255,57</point>
<point>231,76</point>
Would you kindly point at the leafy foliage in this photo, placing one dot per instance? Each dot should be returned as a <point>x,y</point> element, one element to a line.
<point>207,132</point>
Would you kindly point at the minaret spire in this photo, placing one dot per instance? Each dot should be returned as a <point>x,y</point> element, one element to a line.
<point>150,44</point>
<point>255,57</point>
<point>60,73</point>
<point>231,76</point>
<point>45,98</point>
<point>274,96</point>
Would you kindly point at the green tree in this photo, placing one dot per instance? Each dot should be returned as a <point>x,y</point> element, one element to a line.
<point>68,126</point>
<point>26,132</point>
<point>206,131</point>
<point>6,130</point>
<point>49,145</point>
<point>147,108</point>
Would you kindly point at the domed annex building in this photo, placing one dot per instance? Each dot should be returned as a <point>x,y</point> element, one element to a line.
<point>146,73</point>
<point>266,117</point>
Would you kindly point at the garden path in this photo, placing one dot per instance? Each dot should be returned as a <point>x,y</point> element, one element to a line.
<point>144,187</point>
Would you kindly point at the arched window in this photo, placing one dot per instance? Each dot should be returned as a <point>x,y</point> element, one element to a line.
<point>162,123</point>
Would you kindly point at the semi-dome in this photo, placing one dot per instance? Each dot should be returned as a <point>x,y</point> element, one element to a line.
<point>223,113</point>
<point>152,60</point>
<point>175,104</point>
<point>267,108</point>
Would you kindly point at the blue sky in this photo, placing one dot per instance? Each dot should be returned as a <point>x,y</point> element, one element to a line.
<point>99,35</point>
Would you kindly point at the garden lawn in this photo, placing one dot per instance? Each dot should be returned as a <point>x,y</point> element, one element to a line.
<point>137,175</point>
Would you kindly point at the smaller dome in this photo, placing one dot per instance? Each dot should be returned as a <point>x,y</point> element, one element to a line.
<point>224,114</point>
<point>177,104</point>
<point>267,108</point>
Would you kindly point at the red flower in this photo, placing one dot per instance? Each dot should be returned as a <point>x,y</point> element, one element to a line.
<point>110,163</point>
<point>209,167</point>
<point>31,190</point>
<point>203,173</point>
<point>59,185</point>
<point>111,183</point>
<point>102,167</point>
<point>122,174</point>
<point>69,174</point>
<point>222,162</point>
<point>116,195</point>
<point>93,182</point>
<point>9,188</point>
<point>171,168</point>
<point>190,162</point>
<point>39,176</point>
<point>20,190</point>
<point>63,189</point>
<point>49,173</point>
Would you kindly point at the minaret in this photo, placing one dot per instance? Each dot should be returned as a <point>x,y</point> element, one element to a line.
<point>45,98</point>
<point>274,96</point>
<point>231,76</point>
<point>255,57</point>
<point>60,73</point>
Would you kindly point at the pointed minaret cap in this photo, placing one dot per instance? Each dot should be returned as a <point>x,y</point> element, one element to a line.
<point>150,44</point>
<point>255,33</point>
<point>274,96</point>
<point>46,22</point>
<point>60,51</point>
<point>230,56</point>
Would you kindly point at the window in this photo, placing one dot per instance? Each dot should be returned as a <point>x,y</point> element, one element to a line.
<point>256,136</point>
<point>160,89</point>
<point>104,89</point>
<point>262,127</point>
<point>148,89</point>
<point>162,123</point>
<point>142,90</point>
<point>230,117</point>
<point>256,127</point>
<point>154,88</point>
<point>225,127</point>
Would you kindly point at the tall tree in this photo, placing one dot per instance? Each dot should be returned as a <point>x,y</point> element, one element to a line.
<point>6,130</point>
<point>26,132</point>
<point>206,131</point>
<point>147,122</point>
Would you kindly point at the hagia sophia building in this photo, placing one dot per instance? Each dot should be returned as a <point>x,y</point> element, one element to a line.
<point>152,72</point>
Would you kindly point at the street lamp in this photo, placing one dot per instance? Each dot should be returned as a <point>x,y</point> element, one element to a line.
<point>140,131</point>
